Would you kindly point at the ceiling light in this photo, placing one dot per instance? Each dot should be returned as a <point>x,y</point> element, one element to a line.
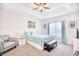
<point>40,6</point>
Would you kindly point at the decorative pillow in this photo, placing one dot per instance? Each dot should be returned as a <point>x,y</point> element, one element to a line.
<point>29,33</point>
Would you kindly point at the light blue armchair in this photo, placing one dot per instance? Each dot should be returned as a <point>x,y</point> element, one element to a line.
<point>7,42</point>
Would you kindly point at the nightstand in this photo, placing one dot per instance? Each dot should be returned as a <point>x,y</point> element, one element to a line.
<point>22,41</point>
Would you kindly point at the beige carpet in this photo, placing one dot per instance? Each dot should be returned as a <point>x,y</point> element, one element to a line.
<point>28,50</point>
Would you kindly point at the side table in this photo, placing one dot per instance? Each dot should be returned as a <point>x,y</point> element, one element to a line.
<point>22,41</point>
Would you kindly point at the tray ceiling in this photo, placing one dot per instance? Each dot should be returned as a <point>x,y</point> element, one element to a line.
<point>56,9</point>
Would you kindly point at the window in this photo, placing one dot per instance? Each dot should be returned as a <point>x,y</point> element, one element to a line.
<point>55,29</point>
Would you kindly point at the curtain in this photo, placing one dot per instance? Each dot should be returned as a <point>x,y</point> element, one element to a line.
<point>63,32</point>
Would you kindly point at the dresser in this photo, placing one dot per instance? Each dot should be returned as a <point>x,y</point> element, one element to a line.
<point>75,45</point>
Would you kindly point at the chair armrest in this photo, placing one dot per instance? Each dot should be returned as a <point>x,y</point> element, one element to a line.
<point>1,46</point>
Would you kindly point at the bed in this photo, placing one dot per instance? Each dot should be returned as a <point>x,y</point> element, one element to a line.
<point>37,40</point>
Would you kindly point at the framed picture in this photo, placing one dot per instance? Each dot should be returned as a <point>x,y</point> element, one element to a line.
<point>31,24</point>
<point>44,26</point>
<point>72,24</point>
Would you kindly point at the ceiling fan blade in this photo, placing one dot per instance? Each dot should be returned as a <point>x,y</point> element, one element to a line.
<point>44,3</point>
<point>46,7</point>
<point>36,4</point>
<point>40,4</point>
<point>35,8</point>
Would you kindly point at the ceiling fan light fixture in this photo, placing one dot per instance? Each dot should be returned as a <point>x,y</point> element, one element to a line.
<point>41,6</point>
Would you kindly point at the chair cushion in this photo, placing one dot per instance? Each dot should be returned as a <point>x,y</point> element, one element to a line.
<point>9,45</point>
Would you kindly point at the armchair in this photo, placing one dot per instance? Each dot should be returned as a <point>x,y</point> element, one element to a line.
<point>7,42</point>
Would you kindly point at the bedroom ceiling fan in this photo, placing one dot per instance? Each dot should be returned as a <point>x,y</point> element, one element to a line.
<point>40,6</point>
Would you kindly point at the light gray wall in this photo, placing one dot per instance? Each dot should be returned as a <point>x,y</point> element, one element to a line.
<point>12,22</point>
<point>70,32</point>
